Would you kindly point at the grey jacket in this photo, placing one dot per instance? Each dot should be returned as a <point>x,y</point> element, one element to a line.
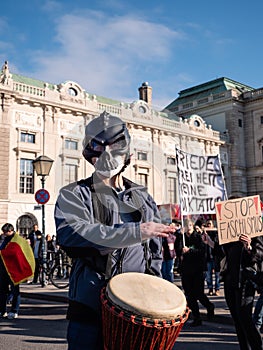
<point>100,228</point>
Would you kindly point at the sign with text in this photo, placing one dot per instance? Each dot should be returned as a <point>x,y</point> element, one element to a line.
<point>237,216</point>
<point>201,183</point>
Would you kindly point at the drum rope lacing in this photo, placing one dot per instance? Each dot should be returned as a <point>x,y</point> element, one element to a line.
<point>124,330</point>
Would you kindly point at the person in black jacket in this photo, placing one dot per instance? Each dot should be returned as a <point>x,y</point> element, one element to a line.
<point>192,272</point>
<point>240,290</point>
<point>33,235</point>
<point>212,261</point>
<point>241,259</point>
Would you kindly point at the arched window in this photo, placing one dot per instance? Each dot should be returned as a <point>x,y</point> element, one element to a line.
<point>25,223</point>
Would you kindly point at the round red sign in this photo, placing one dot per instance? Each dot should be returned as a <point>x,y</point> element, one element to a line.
<point>42,196</point>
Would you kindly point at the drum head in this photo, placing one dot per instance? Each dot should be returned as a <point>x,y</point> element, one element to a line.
<point>146,295</point>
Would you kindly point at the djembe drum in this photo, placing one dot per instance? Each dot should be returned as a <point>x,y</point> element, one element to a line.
<point>142,312</point>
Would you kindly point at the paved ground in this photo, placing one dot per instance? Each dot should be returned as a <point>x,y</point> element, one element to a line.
<point>217,333</point>
<point>51,293</point>
<point>41,325</point>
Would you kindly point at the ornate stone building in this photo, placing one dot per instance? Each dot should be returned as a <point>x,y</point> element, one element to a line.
<point>37,118</point>
<point>236,111</point>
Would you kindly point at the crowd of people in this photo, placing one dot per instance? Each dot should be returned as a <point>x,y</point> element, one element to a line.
<point>199,251</point>
<point>36,243</point>
<point>187,253</point>
<point>110,225</point>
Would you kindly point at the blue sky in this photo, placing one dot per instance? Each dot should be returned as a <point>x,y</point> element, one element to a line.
<point>111,47</point>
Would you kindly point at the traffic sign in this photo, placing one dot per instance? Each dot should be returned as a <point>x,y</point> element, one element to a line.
<point>42,196</point>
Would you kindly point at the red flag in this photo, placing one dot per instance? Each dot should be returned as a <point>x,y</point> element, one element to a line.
<point>18,259</point>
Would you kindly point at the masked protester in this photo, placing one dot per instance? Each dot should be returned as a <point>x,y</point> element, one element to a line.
<point>108,224</point>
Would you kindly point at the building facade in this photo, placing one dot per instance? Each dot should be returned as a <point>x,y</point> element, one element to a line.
<point>236,111</point>
<point>37,118</point>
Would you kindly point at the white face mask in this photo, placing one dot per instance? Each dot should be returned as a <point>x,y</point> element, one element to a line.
<point>109,166</point>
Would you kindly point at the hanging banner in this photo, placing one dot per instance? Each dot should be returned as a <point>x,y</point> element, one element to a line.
<point>201,183</point>
<point>237,216</point>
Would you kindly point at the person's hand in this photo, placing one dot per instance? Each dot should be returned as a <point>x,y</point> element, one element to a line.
<point>205,237</point>
<point>198,229</point>
<point>154,229</point>
<point>246,240</point>
<point>185,250</point>
<point>207,240</point>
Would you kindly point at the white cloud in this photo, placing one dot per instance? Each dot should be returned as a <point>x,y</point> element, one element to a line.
<point>106,55</point>
<point>51,6</point>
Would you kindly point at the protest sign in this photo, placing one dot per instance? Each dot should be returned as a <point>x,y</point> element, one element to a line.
<point>201,183</point>
<point>237,216</point>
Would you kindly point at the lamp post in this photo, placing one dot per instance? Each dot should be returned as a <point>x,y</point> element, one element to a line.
<point>42,166</point>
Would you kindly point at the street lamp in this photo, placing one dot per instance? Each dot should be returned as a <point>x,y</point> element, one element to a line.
<point>42,166</point>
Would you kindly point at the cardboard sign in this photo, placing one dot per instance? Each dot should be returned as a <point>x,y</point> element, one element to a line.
<point>237,216</point>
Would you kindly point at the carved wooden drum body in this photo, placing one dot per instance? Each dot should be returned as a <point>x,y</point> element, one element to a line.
<point>142,312</point>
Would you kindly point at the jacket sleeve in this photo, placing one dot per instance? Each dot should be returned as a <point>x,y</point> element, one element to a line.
<point>256,256</point>
<point>253,262</point>
<point>155,244</point>
<point>77,229</point>
<point>150,212</point>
